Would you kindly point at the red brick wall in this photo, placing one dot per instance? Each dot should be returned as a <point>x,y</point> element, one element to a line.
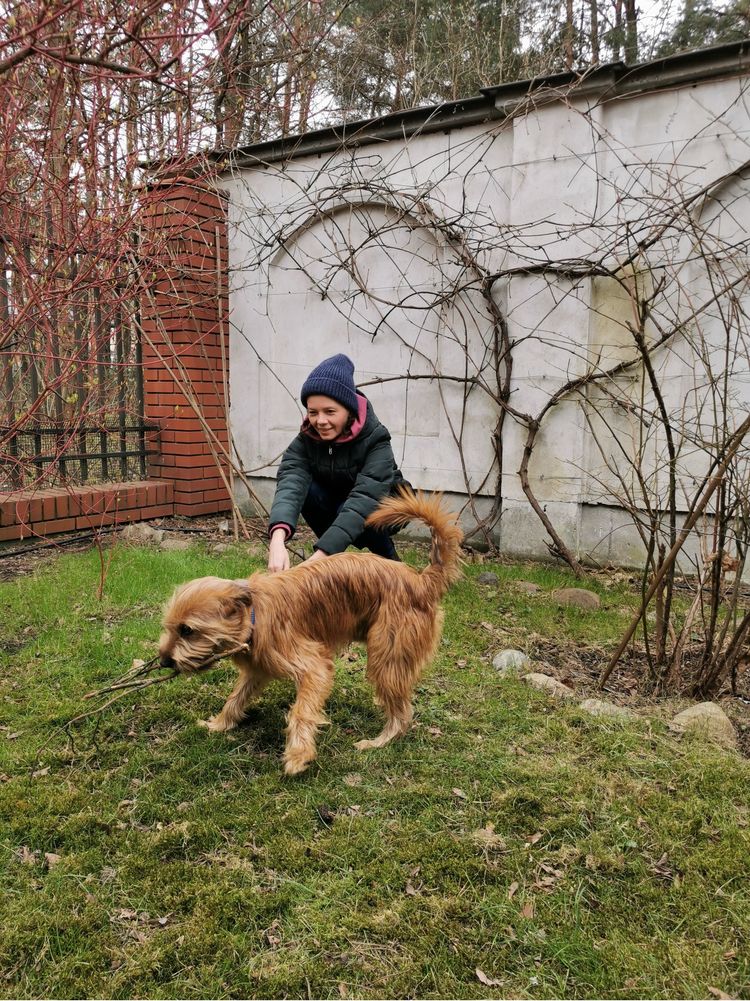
<point>44,512</point>
<point>184,310</point>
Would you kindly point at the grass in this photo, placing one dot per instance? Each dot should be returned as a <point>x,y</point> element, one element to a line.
<point>507,839</point>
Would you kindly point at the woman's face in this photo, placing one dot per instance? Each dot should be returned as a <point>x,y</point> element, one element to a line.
<point>327,416</point>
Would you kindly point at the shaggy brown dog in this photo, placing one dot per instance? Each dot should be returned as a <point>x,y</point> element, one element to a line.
<point>293,622</point>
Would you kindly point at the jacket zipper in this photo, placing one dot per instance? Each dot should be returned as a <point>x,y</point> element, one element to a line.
<point>330,453</point>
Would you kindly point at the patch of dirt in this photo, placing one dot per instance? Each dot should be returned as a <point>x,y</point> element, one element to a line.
<point>580,667</point>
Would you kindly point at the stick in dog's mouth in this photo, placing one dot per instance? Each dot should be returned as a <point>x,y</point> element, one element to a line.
<point>138,678</point>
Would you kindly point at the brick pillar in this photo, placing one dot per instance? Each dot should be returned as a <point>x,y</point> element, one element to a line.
<point>184,309</point>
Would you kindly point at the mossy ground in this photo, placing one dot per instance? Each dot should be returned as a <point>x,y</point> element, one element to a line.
<point>508,847</point>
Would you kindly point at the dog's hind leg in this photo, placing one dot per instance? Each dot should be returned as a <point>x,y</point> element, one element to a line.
<point>394,661</point>
<point>249,685</point>
<point>397,650</point>
<point>398,716</point>
<point>313,675</point>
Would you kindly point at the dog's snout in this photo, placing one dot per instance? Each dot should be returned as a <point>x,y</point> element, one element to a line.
<point>166,661</point>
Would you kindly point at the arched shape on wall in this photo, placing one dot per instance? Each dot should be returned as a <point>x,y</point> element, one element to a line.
<point>368,276</point>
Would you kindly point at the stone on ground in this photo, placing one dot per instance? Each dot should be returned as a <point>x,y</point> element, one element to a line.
<point>511,662</point>
<point>577,597</point>
<point>544,683</point>
<point>175,544</point>
<point>707,719</point>
<point>598,707</point>
<point>142,534</point>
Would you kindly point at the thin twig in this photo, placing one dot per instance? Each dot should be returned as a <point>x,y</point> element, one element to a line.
<point>134,680</point>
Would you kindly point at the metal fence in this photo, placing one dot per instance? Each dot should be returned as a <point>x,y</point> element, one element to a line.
<point>71,377</point>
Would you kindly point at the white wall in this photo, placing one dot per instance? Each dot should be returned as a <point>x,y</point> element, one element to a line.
<point>568,181</point>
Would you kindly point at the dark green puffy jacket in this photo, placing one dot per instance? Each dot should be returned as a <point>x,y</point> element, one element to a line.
<point>362,467</point>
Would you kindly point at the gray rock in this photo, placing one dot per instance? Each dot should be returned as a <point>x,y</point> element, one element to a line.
<point>487,578</point>
<point>708,720</point>
<point>511,662</point>
<point>220,547</point>
<point>223,526</point>
<point>577,597</point>
<point>597,707</point>
<point>175,544</point>
<point>142,534</point>
<point>544,683</point>
<point>527,587</point>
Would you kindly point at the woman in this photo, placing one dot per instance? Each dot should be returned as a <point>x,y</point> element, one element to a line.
<point>336,470</point>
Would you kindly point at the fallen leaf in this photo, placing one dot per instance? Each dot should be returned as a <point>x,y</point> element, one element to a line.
<point>326,814</point>
<point>527,911</point>
<point>715,992</point>
<point>487,981</point>
<point>354,779</point>
<point>533,839</point>
<point>26,856</point>
<point>459,793</point>
<point>544,883</point>
<point>273,934</point>
<point>410,890</point>
<point>13,736</point>
<point>550,868</point>
<point>461,663</point>
<point>52,859</point>
<point>512,890</point>
<point>662,867</point>
<point>486,837</point>
<point>40,772</point>
<point>435,731</point>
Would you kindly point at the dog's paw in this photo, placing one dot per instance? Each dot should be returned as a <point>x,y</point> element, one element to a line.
<point>366,745</point>
<point>215,725</point>
<point>295,766</point>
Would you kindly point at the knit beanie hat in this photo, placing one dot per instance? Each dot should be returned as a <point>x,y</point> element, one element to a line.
<point>334,377</point>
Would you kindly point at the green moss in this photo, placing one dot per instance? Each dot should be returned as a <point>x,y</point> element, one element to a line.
<point>560,854</point>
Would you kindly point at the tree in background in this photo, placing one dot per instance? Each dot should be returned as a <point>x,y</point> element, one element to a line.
<point>88,92</point>
<point>381,58</point>
<point>701,24</point>
<point>388,57</point>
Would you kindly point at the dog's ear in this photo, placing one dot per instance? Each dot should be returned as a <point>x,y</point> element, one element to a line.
<point>241,596</point>
<point>245,598</point>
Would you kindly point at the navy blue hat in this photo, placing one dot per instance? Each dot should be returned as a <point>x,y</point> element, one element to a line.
<point>334,377</point>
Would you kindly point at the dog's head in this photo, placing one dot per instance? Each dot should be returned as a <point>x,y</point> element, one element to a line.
<point>202,619</point>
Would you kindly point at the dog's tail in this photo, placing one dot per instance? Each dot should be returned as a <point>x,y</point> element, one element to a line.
<point>445,559</point>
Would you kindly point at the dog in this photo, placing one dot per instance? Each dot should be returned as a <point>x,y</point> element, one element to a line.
<point>291,624</point>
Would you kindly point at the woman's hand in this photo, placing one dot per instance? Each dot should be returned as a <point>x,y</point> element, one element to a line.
<point>317,554</point>
<point>278,557</point>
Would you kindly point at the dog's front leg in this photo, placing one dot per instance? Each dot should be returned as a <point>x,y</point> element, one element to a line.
<point>249,685</point>
<point>314,683</point>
